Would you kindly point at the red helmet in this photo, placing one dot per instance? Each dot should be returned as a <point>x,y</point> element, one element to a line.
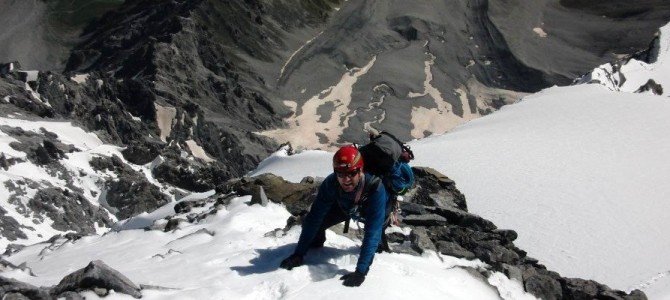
<point>347,159</point>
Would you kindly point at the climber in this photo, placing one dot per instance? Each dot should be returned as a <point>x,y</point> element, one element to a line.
<point>348,193</point>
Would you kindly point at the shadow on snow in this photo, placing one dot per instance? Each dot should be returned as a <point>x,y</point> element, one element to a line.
<point>321,263</point>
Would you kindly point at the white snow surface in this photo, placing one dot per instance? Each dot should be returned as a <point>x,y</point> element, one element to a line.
<point>240,262</point>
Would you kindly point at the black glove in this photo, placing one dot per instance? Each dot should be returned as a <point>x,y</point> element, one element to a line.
<point>353,279</point>
<point>291,262</point>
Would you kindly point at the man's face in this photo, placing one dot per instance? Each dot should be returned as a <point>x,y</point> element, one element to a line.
<point>349,180</point>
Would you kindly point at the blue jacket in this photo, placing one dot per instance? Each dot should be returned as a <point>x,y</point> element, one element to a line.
<point>373,217</point>
<point>401,178</point>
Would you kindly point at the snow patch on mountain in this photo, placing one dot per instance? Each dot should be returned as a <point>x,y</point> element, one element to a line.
<point>635,75</point>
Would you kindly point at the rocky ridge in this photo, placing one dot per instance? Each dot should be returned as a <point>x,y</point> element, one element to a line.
<point>435,211</point>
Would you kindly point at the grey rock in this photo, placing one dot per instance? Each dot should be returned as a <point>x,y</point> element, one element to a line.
<point>506,235</point>
<point>297,197</point>
<point>97,275</point>
<point>420,240</point>
<point>651,85</point>
<point>130,193</point>
<point>9,227</point>
<point>436,189</point>
<point>542,284</point>
<point>453,249</point>
<point>580,289</point>
<point>493,253</point>
<point>3,162</point>
<point>513,272</point>
<point>186,206</point>
<point>14,289</point>
<point>66,209</point>
<point>409,208</point>
<point>425,220</point>
<point>71,296</point>
<point>477,222</point>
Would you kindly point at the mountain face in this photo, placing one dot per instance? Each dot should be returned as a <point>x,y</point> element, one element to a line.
<point>203,90</point>
<point>240,78</point>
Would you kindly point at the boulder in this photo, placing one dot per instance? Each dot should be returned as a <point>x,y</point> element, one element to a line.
<point>14,289</point>
<point>420,240</point>
<point>97,275</point>
<point>453,249</point>
<point>297,197</point>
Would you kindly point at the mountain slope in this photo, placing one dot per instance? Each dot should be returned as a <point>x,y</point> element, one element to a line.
<point>281,68</point>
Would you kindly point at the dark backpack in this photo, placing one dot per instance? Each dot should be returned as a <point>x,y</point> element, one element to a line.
<point>381,153</point>
<point>379,156</point>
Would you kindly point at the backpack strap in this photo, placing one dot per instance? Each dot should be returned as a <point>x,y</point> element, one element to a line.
<point>362,195</point>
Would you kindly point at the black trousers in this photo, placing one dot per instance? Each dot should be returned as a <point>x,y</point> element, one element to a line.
<point>335,216</point>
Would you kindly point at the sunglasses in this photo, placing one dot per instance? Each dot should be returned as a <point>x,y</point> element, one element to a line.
<point>350,174</point>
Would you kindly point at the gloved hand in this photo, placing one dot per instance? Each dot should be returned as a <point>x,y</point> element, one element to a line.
<point>291,262</point>
<point>353,279</point>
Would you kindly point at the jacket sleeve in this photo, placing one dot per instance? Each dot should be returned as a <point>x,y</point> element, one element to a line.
<point>401,179</point>
<point>374,222</point>
<point>315,216</point>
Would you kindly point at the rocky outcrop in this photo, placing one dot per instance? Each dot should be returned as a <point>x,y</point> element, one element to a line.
<point>296,196</point>
<point>128,193</point>
<point>96,277</point>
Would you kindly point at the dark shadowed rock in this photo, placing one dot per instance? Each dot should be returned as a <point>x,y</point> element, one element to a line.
<point>97,275</point>
<point>3,162</point>
<point>492,252</point>
<point>542,283</point>
<point>425,220</point>
<point>580,289</point>
<point>70,296</point>
<point>453,249</point>
<point>9,227</point>
<point>14,289</point>
<point>141,153</point>
<point>651,86</point>
<point>409,208</point>
<point>436,189</point>
<point>420,240</point>
<point>130,193</point>
<point>68,210</point>
<point>506,235</point>
<point>191,175</point>
<point>477,222</point>
<point>186,206</point>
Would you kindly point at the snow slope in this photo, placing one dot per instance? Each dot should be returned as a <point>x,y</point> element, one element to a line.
<point>580,172</point>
